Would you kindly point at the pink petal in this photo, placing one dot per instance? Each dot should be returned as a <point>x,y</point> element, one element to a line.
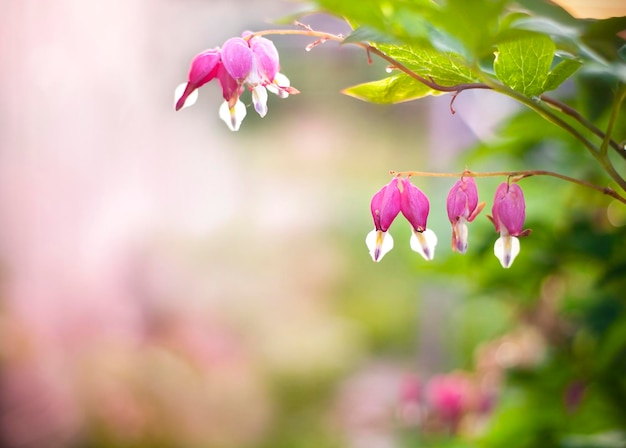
<point>237,58</point>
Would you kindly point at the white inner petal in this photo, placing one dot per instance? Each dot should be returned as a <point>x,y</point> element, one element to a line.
<point>424,243</point>
<point>378,243</point>
<point>461,232</point>
<point>277,88</point>
<point>507,247</point>
<point>259,98</point>
<point>233,117</point>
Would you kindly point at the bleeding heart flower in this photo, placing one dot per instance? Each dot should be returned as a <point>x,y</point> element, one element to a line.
<point>463,207</point>
<point>415,208</point>
<point>250,61</point>
<point>508,214</point>
<point>385,206</point>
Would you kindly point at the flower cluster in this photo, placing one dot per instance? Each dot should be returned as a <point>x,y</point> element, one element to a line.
<point>400,195</point>
<point>250,61</point>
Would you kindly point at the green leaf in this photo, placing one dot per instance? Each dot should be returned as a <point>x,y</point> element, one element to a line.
<point>475,24</point>
<point>391,90</point>
<point>560,72</point>
<point>398,19</point>
<point>524,64</point>
<point>446,69</point>
<point>550,11</point>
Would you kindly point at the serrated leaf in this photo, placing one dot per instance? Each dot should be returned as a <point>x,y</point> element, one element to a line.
<point>394,89</point>
<point>560,72</point>
<point>523,64</point>
<point>444,68</point>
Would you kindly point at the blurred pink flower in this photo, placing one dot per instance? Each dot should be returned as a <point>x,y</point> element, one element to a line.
<point>451,396</point>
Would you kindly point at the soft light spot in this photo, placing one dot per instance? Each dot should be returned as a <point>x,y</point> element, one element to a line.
<point>616,214</point>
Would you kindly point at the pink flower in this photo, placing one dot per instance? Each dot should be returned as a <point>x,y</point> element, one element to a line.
<point>451,396</point>
<point>237,58</point>
<point>415,207</point>
<point>463,207</point>
<point>203,69</point>
<point>385,206</point>
<point>242,61</point>
<point>508,214</point>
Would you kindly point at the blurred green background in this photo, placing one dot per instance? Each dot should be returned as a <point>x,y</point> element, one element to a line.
<point>168,283</point>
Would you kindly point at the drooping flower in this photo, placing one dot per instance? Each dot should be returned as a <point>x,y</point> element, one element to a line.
<point>385,206</point>
<point>463,207</point>
<point>203,69</point>
<point>415,207</point>
<point>508,214</point>
<point>250,61</point>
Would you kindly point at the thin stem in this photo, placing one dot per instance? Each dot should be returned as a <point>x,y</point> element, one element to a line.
<point>613,118</point>
<point>548,115</point>
<point>568,110</point>
<point>306,31</point>
<point>516,176</point>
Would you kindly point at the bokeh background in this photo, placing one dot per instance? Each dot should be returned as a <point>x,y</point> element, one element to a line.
<point>168,283</point>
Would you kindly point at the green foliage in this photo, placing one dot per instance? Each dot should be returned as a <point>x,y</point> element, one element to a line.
<point>521,50</point>
<point>445,68</point>
<point>560,72</point>
<point>452,43</point>
<point>394,89</point>
<point>403,19</point>
<point>524,64</point>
